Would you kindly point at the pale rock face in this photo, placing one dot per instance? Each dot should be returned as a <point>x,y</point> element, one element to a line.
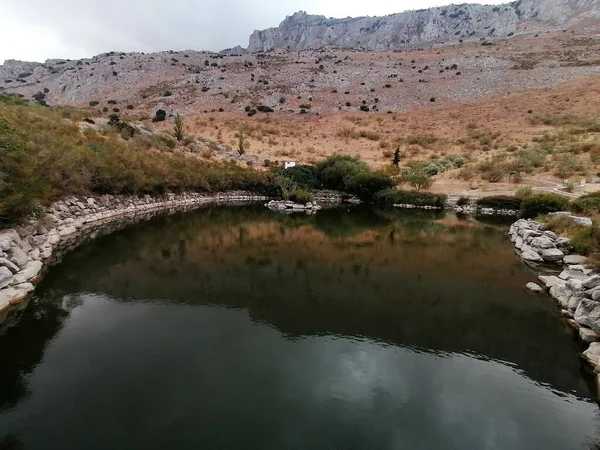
<point>412,29</point>
<point>588,313</point>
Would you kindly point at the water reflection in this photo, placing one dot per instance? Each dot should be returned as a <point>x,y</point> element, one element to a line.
<point>401,331</point>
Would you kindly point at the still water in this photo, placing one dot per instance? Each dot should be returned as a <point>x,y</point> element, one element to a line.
<point>241,328</point>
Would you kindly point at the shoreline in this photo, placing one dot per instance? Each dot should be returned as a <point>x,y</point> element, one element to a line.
<point>27,250</point>
<point>565,278</point>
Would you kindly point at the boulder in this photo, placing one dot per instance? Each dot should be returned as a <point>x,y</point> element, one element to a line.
<point>574,301</point>
<point>543,242</point>
<point>588,336</point>
<point>592,354</point>
<point>14,294</point>
<point>552,255</point>
<point>550,280</point>
<point>572,274</point>
<point>17,256</point>
<point>68,230</point>
<point>534,288</point>
<point>9,265</point>
<point>588,314</point>
<point>31,271</point>
<point>530,255</point>
<point>561,295</point>
<point>519,242</point>
<point>6,277</point>
<point>575,259</point>
<point>591,282</point>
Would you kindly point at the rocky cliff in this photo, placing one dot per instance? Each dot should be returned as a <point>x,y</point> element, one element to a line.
<point>413,29</point>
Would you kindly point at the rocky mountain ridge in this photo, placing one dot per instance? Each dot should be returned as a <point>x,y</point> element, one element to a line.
<point>421,28</point>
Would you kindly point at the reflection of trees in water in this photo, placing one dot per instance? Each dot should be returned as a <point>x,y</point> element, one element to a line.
<point>22,345</point>
<point>212,257</point>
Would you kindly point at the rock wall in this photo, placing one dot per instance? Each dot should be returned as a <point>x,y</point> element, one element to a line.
<point>412,29</point>
<point>26,249</point>
<point>576,288</point>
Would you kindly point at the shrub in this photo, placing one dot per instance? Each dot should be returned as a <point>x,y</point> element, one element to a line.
<point>463,201</point>
<point>542,204</point>
<point>394,196</point>
<point>524,191</point>
<point>264,109</point>
<point>584,240</point>
<point>336,170</point>
<point>500,202</point>
<point>304,176</point>
<point>365,185</point>
<point>418,178</point>
<point>178,128</point>
<point>160,115</point>
<point>587,204</point>
<point>301,196</point>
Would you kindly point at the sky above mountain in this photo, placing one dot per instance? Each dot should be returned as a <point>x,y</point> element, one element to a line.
<point>35,30</point>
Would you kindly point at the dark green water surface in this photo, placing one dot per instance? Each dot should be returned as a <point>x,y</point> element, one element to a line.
<point>240,328</point>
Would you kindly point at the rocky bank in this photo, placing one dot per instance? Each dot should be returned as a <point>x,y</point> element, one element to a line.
<point>25,250</point>
<point>576,288</point>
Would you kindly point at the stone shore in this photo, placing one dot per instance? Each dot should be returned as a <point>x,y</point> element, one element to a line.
<point>575,287</point>
<point>25,250</point>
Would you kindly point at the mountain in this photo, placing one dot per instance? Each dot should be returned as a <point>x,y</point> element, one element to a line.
<point>427,27</point>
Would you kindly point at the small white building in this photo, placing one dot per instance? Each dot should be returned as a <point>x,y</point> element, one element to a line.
<point>288,164</point>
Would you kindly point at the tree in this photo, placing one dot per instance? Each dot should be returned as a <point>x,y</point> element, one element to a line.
<point>242,145</point>
<point>178,128</point>
<point>397,157</point>
<point>418,178</point>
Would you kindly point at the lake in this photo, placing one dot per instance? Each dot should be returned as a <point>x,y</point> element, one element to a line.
<point>242,328</point>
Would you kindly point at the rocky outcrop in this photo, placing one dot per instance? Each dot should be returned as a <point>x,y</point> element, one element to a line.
<point>413,29</point>
<point>25,249</point>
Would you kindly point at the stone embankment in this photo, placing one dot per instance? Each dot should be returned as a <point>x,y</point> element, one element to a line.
<point>575,288</point>
<point>25,249</point>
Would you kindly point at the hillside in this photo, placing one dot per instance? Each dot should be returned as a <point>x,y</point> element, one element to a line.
<point>526,104</point>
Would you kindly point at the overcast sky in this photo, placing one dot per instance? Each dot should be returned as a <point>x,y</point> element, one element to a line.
<point>34,30</point>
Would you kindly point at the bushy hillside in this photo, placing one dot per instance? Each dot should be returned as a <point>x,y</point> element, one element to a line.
<point>45,154</point>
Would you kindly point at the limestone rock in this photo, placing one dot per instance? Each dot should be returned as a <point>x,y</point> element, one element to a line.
<point>588,336</point>
<point>530,255</point>
<point>543,242</point>
<point>588,314</point>
<point>591,282</point>
<point>31,271</point>
<point>14,294</point>
<point>575,259</point>
<point>410,29</point>
<point>9,265</point>
<point>552,255</point>
<point>6,277</point>
<point>534,288</point>
<point>550,280</point>
<point>592,354</point>
<point>18,256</point>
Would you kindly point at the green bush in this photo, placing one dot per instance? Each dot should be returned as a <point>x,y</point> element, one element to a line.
<point>500,202</point>
<point>336,170</point>
<point>463,201</point>
<point>305,177</point>
<point>301,196</point>
<point>587,204</point>
<point>542,204</point>
<point>365,185</point>
<point>391,197</point>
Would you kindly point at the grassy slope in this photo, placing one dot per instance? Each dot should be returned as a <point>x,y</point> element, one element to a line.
<point>44,155</point>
